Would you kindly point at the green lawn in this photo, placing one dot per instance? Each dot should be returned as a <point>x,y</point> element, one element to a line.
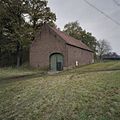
<point>87,93</point>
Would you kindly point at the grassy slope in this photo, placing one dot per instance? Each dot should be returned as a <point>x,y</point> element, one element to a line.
<point>69,95</point>
<point>17,72</point>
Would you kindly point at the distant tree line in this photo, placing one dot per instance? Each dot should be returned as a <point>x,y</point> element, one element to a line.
<point>19,22</point>
<point>111,56</point>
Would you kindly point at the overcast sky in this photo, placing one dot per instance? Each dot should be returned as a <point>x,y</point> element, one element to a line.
<point>90,19</point>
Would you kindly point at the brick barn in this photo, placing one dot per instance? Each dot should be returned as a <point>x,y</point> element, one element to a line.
<point>55,50</point>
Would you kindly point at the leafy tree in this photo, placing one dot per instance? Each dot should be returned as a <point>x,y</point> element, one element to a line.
<point>38,13</point>
<point>103,47</point>
<point>73,29</point>
<point>89,40</point>
<point>19,20</point>
<point>14,27</point>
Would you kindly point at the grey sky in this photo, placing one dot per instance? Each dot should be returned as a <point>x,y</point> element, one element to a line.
<point>90,19</point>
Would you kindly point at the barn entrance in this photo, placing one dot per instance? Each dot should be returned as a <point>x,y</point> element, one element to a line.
<point>56,62</point>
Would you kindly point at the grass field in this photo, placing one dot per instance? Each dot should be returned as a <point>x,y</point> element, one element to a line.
<point>90,92</point>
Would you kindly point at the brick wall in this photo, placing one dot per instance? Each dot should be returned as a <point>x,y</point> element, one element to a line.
<point>77,54</point>
<point>46,43</point>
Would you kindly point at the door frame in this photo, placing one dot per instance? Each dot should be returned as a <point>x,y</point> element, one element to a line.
<point>52,55</point>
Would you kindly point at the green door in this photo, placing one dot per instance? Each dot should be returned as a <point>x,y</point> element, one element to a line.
<point>56,62</point>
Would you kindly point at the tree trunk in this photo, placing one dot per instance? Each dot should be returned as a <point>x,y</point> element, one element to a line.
<point>18,54</point>
<point>18,60</point>
<point>100,57</point>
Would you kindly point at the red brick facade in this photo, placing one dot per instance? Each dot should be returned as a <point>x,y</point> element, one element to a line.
<point>48,42</point>
<point>76,54</point>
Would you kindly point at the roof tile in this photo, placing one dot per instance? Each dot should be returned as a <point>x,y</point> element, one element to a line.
<point>70,40</point>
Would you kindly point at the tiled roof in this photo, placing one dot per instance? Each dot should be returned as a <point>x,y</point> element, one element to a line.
<point>70,40</point>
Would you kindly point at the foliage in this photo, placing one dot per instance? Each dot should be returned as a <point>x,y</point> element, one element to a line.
<point>73,29</point>
<point>38,13</point>
<point>16,32</point>
<point>14,28</point>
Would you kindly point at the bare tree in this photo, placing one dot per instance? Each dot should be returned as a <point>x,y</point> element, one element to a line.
<point>103,47</point>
